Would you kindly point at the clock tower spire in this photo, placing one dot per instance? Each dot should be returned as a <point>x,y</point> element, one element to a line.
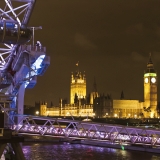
<point>150,90</point>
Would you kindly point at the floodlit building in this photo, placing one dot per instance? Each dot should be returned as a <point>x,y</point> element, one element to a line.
<point>150,91</point>
<point>97,105</point>
<point>77,86</point>
<point>80,104</point>
<point>105,106</point>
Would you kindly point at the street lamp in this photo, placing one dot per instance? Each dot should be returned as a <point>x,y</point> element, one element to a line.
<point>129,115</point>
<point>37,113</point>
<point>33,29</point>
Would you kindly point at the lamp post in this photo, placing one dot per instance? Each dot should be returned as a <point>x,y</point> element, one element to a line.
<point>119,114</point>
<point>129,115</point>
<point>33,29</point>
<point>37,113</point>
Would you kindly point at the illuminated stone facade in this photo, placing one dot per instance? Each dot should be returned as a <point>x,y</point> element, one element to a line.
<point>78,86</point>
<point>75,110</point>
<point>43,109</point>
<point>104,106</point>
<point>80,105</point>
<point>67,110</point>
<point>127,108</point>
<point>150,91</point>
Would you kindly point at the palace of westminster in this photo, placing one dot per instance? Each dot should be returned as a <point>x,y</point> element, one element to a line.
<point>96,105</point>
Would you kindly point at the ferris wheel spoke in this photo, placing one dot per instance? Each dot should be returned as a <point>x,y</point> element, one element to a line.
<point>9,46</point>
<point>12,10</point>
<point>15,12</point>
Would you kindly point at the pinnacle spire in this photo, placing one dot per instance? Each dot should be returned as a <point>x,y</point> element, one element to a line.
<point>150,61</point>
<point>94,85</point>
<point>122,95</point>
<point>150,67</point>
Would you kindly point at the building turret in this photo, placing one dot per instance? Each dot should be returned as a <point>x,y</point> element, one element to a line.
<point>122,95</point>
<point>94,92</point>
<point>78,86</point>
<point>150,90</point>
<point>43,109</point>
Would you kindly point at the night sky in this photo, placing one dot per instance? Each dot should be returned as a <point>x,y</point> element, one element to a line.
<point>111,39</point>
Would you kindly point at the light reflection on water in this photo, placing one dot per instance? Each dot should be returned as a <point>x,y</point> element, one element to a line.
<point>66,151</point>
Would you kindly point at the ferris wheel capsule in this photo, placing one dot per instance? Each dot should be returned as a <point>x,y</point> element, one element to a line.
<point>12,33</point>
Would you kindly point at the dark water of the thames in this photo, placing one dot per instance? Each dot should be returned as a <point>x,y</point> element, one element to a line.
<point>66,151</point>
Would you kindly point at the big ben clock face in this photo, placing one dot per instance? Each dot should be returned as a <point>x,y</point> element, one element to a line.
<point>153,80</point>
<point>146,80</point>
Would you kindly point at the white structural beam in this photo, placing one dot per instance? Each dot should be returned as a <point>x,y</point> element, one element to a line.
<point>44,126</point>
<point>14,10</point>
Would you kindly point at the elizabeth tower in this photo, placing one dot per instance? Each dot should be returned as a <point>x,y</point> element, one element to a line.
<point>150,91</point>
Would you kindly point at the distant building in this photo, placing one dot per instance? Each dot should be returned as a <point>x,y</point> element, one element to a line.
<point>105,106</point>
<point>80,104</point>
<point>98,105</point>
<point>150,91</point>
<point>77,86</point>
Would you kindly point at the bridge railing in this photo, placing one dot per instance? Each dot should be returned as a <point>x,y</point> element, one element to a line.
<point>86,130</point>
